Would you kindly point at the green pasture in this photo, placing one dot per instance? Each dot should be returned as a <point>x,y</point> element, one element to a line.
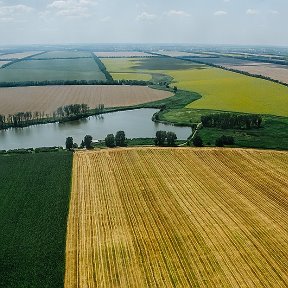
<point>34,202</point>
<point>51,70</point>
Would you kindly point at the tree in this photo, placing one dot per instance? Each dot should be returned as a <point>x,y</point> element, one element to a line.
<point>120,139</point>
<point>110,141</point>
<point>82,145</point>
<point>219,142</point>
<point>171,139</point>
<point>197,141</point>
<point>160,138</point>
<point>88,141</point>
<point>175,89</point>
<point>228,140</point>
<point>69,143</point>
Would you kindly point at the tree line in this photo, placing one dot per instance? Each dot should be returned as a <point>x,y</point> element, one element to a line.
<point>232,121</point>
<point>162,138</point>
<point>21,119</point>
<point>75,82</point>
<point>67,112</point>
<point>102,67</point>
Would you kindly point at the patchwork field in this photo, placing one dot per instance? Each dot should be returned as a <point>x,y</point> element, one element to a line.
<point>221,90</point>
<point>48,98</point>
<point>34,201</point>
<point>14,56</point>
<point>122,54</point>
<point>141,69</point>
<point>53,69</point>
<point>178,218</point>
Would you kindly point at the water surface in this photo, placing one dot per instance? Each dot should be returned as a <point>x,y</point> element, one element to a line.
<point>135,123</point>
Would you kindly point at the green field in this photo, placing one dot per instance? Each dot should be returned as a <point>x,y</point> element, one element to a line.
<point>63,54</point>
<point>131,76</point>
<point>34,200</point>
<point>220,89</point>
<point>51,70</point>
<point>228,91</point>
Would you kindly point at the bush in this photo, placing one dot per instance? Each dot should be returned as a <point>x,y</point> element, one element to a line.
<point>197,141</point>
<point>47,149</point>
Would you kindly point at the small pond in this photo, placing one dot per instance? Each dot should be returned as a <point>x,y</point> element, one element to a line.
<point>135,123</point>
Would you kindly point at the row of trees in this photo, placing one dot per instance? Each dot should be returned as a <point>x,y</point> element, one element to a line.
<point>102,67</point>
<point>164,138</point>
<point>232,121</point>
<point>75,82</point>
<point>111,141</point>
<point>21,119</point>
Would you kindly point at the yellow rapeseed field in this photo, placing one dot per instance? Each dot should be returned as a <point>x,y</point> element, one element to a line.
<point>160,217</point>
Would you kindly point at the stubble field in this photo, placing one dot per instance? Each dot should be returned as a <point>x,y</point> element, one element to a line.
<point>188,218</point>
<point>48,98</point>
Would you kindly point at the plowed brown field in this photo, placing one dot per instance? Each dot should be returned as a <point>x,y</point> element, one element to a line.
<point>47,99</point>
<point>150,217</point>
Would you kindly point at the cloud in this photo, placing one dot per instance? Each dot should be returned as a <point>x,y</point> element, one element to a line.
<point>177,13</point>
<point>13,12</point>
<point>252,12</point>
<point>144,16</point>
<point>220,13</point>
<point>72,8</point>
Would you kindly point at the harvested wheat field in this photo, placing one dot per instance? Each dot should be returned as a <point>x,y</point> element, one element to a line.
<point>275,72</point>
<point>152,217</point>
<point>48,98</point>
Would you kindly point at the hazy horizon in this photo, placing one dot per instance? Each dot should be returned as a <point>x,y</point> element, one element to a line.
<point>209,22</point>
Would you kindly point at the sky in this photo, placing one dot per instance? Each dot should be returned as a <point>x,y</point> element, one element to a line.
<point>236,22</point>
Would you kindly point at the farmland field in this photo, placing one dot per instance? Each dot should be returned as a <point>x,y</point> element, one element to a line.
<point>48,98</point>
<point>34,200</point>
<point>273,71</point>
<point>63,54</point>
<point>179,54</point>
<point>131,76</point>
<point>51,70</point>
<point>227,91</point>
<point>221,90</point>
<point>178,217</point>
<point>122,54</point>
<point>21,55</point>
